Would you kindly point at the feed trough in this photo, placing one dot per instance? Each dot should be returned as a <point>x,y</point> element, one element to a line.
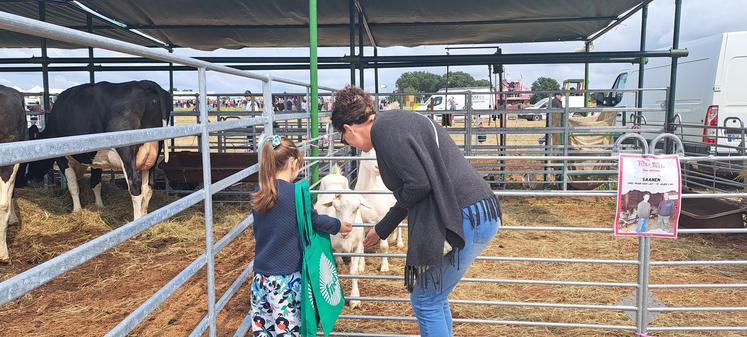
<point>185,168</point>
<point>712,213</point>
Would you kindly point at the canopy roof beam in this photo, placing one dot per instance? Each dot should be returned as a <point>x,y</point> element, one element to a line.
<point>372,25</point>
<point>618,21</point>
<point>365,23</point>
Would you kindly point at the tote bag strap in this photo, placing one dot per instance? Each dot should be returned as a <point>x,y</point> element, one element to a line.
<point>303,216</point>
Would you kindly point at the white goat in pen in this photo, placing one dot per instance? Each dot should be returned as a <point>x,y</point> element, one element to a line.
<point>346,207</point>
<point>369,178</point>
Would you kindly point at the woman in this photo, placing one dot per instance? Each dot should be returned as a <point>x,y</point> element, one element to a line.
<point>449,207</point>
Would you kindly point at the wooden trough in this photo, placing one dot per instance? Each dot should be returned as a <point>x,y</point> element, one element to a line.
<point>184,169</point>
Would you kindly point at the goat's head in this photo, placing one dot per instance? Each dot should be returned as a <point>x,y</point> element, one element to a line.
<point>371,165</point>
<point>346,206</point>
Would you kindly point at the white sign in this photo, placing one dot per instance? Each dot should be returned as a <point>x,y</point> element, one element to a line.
<point>649,192</point>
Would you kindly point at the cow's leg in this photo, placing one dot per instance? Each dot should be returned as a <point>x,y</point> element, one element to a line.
<point>355,270</point>
<point>133,177</point>
<point>13,216</point>
<point>146,190</point>
<point>7,182</point>
<point>384,248</point>
<point>96,185</point>
<point>72,182</point>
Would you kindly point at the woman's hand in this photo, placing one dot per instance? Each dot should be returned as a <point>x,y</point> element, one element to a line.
<point>345,228</point>
<point>372,238</point>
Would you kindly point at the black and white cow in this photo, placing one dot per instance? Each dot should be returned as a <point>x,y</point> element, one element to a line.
<point>106,107</point>
<point>12,129</point>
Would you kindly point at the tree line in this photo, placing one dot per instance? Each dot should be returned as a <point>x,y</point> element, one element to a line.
<point>413,82</point>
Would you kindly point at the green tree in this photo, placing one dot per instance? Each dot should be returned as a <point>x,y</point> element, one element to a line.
<point>543,83</point>
<point>482,83</point>
<point>421,81</point>
<point>458,79</point>
<point>418,81</point>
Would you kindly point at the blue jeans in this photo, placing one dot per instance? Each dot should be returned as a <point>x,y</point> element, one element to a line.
<point>642,223</point>
<point>431,304</point>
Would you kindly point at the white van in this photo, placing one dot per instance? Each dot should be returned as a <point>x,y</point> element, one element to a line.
<point>482,99</point>
<point>711,90</point>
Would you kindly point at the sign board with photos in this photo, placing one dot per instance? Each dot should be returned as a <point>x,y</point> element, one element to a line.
<point>649,191</point>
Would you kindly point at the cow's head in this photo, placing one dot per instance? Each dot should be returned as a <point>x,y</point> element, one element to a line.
<point>167,104</point>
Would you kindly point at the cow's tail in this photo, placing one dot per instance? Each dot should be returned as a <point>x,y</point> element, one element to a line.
<point>165,146</point>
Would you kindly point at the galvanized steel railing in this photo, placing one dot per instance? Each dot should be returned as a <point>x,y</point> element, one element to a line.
<point>644,262</point>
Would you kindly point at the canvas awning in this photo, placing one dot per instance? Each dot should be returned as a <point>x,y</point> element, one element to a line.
<point>209,25</point>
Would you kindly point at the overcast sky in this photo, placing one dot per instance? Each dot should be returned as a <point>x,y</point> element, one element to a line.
<point>700,18</point>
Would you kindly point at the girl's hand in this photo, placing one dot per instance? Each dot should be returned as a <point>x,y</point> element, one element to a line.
<point>345,228</point>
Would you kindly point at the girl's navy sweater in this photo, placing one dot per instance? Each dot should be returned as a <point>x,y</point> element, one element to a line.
<point>277,242</point>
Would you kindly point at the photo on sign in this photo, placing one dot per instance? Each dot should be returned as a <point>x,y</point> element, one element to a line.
<point>649,194</point>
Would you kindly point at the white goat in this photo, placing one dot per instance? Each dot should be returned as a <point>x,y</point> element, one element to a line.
<point>346,207</point>
<point>369,178</point>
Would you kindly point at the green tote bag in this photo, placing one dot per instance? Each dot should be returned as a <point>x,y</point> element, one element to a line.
<point>322,297</point>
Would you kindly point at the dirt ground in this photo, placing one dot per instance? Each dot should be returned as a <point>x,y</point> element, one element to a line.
<point>92,299</point>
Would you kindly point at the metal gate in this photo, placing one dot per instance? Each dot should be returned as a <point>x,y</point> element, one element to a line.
<point>11,153</point>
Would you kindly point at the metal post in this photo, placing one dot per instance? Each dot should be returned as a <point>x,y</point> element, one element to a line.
<point>314,83</point>
<point>587,45</point>
<point>361,69</point>
<point>309,145</point>
<point>468,123</point>
<point>565,119</point>
<point>351,27</point>
<point>91,73</point>
<point>207,181</point>
<point>299,123</point>
<point>45,61</point>
<point>376,80</point>
<point>641,68</point>
<point>644,256</point>
<point>503,146</point>
<point>267,110</point>
<point>171,92</point>
<point>446,98</point>
<point>673,74</point>
<point>222,142</point>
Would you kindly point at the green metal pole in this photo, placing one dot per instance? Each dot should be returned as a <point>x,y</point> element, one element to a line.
<point>314,81</point>
<point>586,79</point>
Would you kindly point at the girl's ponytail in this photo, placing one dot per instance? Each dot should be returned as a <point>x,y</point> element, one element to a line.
<point>272,159</point>
<point>268,190</point>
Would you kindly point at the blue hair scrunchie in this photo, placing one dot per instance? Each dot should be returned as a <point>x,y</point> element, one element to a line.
<point>275,139</point>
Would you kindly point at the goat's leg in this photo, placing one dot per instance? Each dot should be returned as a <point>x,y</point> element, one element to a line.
<point>355,270</point>
<point>400,241</point>
<point>384,248</point>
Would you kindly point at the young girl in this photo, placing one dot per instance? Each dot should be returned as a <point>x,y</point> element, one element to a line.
<point>276,287</point>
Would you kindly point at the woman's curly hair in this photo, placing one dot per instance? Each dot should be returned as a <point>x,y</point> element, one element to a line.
<point>352,106</point>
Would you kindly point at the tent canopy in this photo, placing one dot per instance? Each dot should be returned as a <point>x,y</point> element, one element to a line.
<point>209,25</point>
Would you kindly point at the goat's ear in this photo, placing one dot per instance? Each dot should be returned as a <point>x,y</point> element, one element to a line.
<point>326,199</point>
<point>364,202</point>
